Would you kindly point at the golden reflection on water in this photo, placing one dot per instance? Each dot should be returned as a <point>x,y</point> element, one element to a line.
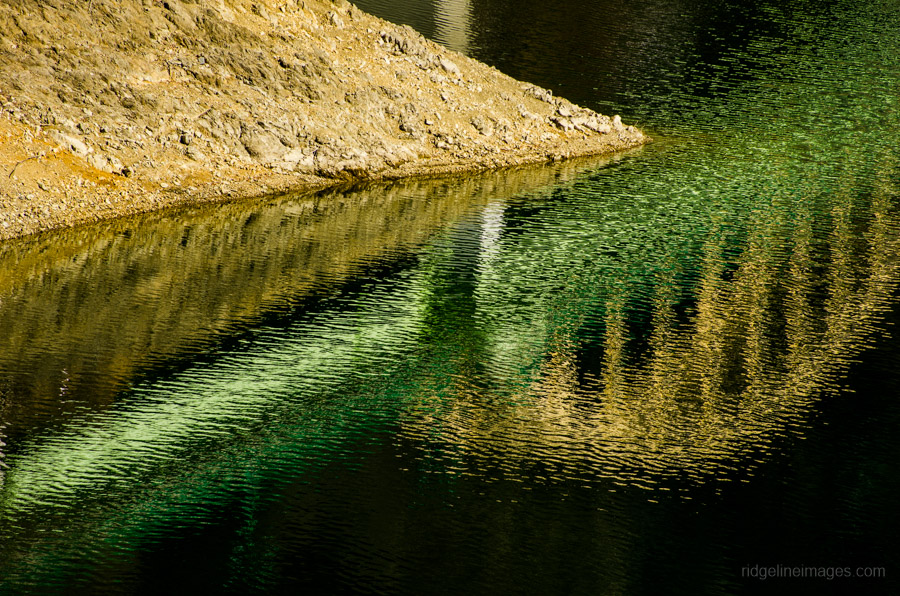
<point>84,311</point>
<point>762,345</point>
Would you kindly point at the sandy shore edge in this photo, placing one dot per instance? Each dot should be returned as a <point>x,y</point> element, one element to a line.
<point>161,111</point>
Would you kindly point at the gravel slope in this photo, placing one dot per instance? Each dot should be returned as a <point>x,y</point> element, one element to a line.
<point>112,107</point>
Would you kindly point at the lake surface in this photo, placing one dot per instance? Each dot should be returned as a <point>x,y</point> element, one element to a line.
<point>674,370</point>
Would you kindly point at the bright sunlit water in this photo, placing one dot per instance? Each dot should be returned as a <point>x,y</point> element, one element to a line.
<point>644,374</point>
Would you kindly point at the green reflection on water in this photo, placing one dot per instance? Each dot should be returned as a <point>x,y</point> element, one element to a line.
<point>466,344</point>
<point>661,316</point>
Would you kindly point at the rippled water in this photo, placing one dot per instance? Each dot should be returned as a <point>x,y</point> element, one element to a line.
<point>643,374</point>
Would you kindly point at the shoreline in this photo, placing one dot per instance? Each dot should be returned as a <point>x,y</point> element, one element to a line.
<point>183,113</point>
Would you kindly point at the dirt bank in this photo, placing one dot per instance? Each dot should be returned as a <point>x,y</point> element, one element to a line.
<point>112,107</point>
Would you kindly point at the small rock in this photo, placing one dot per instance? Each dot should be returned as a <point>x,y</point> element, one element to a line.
<point>408,124</point>
<point>71,143</point>
<point>449,66</point>
<point>563,123</point>
<point>105,163</point>
<point>405,40</point>
<point>193,153</point>
<point>260,11</point>
<point>481,125</point>
<point>335,20</point>
<point>262,144</point>
<point>539,93</point>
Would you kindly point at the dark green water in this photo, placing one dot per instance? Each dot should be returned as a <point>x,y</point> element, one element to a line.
<point>649,374</point>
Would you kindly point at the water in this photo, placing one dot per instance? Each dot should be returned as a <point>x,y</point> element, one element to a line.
<point>652,373</point>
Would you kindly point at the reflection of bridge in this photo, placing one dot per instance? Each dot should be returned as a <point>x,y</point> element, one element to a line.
<point>445,21</point>
<point>514,304</point>
<point>188,280</point>
<point>704,389</point>
<point>106,303</point>
<point>298,389</point>
<point>452,24</point>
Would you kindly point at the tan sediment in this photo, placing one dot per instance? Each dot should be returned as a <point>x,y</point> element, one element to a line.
<point>117,107</point>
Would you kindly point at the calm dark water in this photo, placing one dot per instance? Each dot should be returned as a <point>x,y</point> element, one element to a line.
<point>663,372</point>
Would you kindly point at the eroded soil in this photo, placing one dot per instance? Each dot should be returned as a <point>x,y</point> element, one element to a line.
<point>113,107</point>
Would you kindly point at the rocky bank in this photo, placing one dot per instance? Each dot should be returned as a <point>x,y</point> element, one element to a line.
<point>113,107</point>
